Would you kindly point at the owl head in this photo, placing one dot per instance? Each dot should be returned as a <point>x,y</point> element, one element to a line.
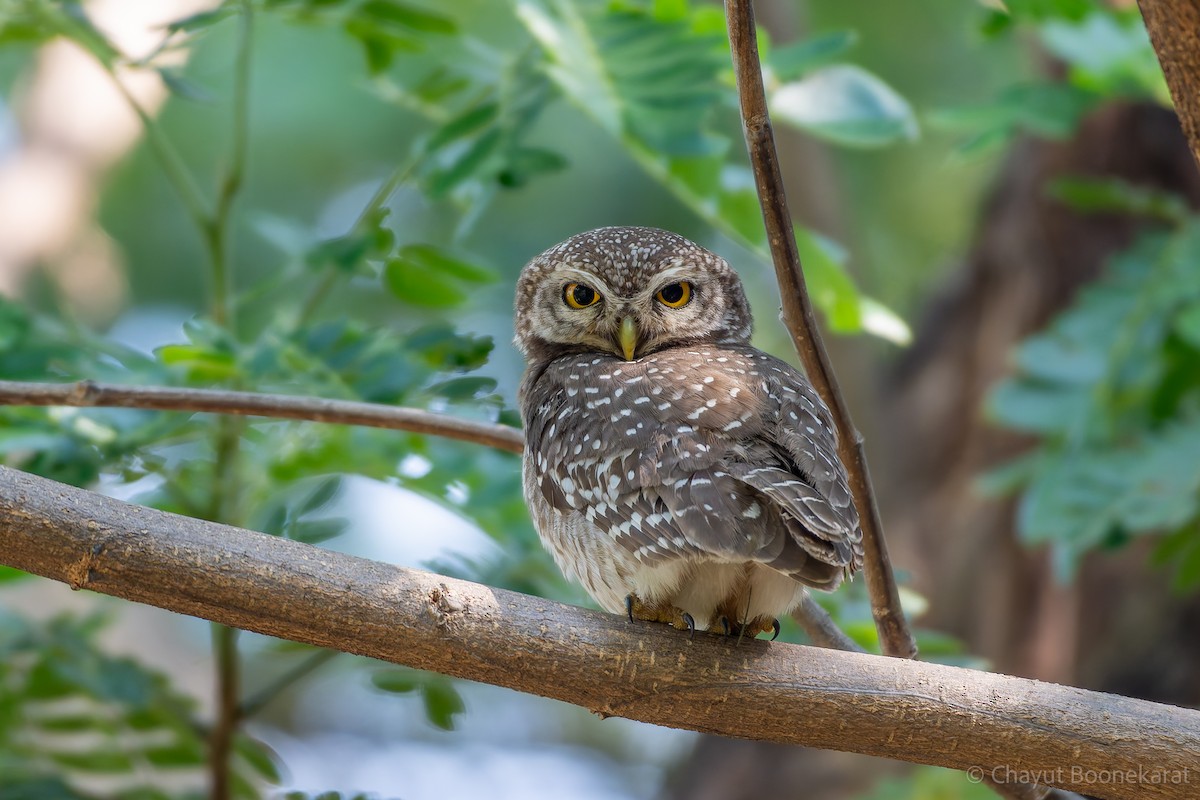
<point>628,292</point>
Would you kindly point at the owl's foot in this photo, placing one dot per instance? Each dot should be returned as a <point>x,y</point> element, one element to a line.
<point>756,626</point>
<point>660,612</point>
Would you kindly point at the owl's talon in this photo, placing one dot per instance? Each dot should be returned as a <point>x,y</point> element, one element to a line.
<point>775,626</point>
<point>629,606</point>
<point>691,625</point>
<point>725,627</point>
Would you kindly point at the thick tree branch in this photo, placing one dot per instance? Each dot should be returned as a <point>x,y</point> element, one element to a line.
<point>166,398</point>
<point>894,635</point>
<point>1104,745</point>
<point>1174,27</point>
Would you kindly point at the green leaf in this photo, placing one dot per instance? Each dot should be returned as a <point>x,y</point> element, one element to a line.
<point>440,84</point>
<point>201,363</point>
<point>322,495</point>
<point>45,682</point>
<point>1112,387</point>
<point>1010,476</point>
<point>184,753</point>
<point>470,121</point>
<point>1187,324</point>
<point>879,320</point>
<point>408,16</point>
<point>369,240</point>
<point>316,531</point>
<point>444,349</point>
<point>396,681</point>
<point>1078,499</point>
<point>473,161</point>
<point>670,10</point>
<point>928,783</point>
<point>9,574</point>
<point>789,63</point>
<point>847,105</point>
<point>1052,110</point>
<point>260,758</point>
<point>1108,55</point>
<point>458,390</point>
<point>201,20</point>
<point>1039,10</point>
<point>527,162</point>
<point>1116,195</point>
<point>379,45</point>
<point>442,703</point>
<point>831,288</point>
<point>68,724</point>
<point>111,761</point>
<point>436,259</point>
<point>644,80</point>
<point>1181,551</point>
<point>34,787</point>
<point>422,285</point>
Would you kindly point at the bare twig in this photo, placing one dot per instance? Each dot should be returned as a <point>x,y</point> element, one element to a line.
<point>321,289</point>
<point>346,412</point>
<point>217,232</point>
<point>820,627</point>
<point>263,698</point>
<point>894,635</point>
<point>926,713</point>
<point>225,728</point>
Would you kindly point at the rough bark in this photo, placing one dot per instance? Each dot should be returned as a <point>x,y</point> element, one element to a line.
<point>1174,27</point>
<point>782,693</point>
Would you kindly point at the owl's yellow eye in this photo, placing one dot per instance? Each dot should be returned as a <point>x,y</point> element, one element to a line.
<point>580,295</point>
<point>675,295</point>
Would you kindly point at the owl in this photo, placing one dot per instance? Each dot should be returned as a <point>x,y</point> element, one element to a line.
<point>679,474</point>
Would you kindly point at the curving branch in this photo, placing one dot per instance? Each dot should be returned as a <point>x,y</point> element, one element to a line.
<point>798,317</point>
<point>346,412</point>
<point>993,726</point>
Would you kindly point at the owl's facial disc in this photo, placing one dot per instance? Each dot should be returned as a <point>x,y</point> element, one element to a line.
<point>629,292</point>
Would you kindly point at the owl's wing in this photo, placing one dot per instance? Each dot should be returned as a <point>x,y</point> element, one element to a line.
<point>681,465</point>
<point>808,480</point>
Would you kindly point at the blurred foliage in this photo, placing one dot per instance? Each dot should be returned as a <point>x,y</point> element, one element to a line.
<point>68,711</point>
<point>930,783</point>
<point>438,695</point>
<point>475,97</point>
<point>1112,390</point>
<point>1106,55</point>
<point>1112,387</point>
<point>653,76</point>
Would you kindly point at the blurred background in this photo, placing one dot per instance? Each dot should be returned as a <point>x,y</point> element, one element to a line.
<point>334,197</point>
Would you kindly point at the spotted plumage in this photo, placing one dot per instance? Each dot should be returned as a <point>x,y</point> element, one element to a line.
<point>670,467</point>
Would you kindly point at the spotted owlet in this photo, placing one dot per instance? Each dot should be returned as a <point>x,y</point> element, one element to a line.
<point>678,473</point>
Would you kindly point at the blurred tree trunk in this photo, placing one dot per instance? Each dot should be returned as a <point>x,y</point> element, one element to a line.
<point>1117,628</point>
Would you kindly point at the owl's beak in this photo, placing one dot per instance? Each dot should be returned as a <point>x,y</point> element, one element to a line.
<point>627,337</point>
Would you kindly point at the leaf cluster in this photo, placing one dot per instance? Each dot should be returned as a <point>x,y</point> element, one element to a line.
<point>70,713</point>
<point>1107,56</point>
<point>1112,391</point>
<point>654,76</point>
